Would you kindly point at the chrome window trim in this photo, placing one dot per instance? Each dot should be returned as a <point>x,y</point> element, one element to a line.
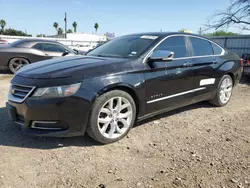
<point>182,35</point>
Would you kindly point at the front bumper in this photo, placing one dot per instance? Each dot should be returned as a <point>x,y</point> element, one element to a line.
<point>60,117</point>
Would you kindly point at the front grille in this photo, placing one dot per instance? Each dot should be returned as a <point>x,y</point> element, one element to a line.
<point>19,93</point>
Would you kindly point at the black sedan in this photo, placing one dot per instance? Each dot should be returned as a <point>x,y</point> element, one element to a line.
<point>127,79</point>
<point>26,51</point>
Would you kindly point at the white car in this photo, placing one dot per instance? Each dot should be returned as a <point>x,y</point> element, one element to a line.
<point>83,47</point>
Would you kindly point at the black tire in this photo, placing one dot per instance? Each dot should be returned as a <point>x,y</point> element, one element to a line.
<point>217,101</point>
<point>93,130</point>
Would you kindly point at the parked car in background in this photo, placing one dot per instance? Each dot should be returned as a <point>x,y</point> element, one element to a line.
<point>246,63</point>
<point>130,78</point>
<point>3,41</point>
<point>23,52</point>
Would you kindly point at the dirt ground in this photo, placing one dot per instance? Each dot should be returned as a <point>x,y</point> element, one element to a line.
<point>197,146</point>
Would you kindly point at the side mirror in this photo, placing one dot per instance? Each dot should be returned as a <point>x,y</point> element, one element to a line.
<point>162,55</point>
<point>65,53</point>
<point>77,52</point>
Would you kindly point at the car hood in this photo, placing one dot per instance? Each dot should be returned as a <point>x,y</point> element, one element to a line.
<point>72,66</point>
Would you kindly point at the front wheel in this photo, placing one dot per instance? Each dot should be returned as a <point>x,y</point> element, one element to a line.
<point>112,116</point>
<point>16,63</point>
<point>224,91</point>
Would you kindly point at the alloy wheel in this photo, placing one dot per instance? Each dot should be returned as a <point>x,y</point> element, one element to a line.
<point>226,90</point>
<point>17,63</point>
<point>115,117</point>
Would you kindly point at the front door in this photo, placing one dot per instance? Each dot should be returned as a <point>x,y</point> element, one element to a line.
<point>170,84</point>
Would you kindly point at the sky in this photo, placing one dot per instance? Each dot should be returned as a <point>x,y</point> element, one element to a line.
<point>117,16</point>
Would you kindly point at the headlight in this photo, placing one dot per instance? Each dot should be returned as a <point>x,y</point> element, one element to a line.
<point>58,91</point>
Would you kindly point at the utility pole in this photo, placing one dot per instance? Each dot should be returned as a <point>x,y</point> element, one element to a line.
<point>65,20</point>
<point>200,31</point>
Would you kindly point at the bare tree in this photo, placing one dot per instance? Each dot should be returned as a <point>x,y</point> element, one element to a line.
<point>238,13</point>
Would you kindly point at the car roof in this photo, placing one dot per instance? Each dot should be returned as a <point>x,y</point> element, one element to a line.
<point>165,34</point>
<point>27,43</point>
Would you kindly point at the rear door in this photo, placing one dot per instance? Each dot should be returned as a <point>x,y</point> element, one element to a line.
<point>206,59</point>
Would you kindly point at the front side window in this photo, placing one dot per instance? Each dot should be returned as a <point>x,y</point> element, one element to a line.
<point>201,47</point>
<point>175,44</point>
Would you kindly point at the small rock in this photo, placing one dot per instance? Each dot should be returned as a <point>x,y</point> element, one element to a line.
<point>155,179</point>
<point>208,130</point>
<point>60,145</point>
<point>119,179</point>
<point>128,147</point>
<point>177,181</point>
<point>212,164</point>
<point>228,139</point>
<point>163,171</point>
<point>233,180</point>
<point>110,171</point>
<point>139,184</point>
<point>156,122</point>
<point>2,176</point>
<point>240,186</point>
<point>128,136</point>
<point>102,186</point>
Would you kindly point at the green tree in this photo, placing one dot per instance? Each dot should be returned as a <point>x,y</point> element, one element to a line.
<point>56,25</point>
<point>41,35</point>
<point>221,33</point>
<point>96,26</point>
<point>237,13</point>
<point>74,26</point>
<point>15,32</point>
<point>3,24</point>
<point>69,31</point>
<point>60,31</point>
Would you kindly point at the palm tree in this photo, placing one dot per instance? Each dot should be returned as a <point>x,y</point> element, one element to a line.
<point>75,26</point>
<point>96,26</point>
<point>69,31</point>
<point>60,31</point>
<point>3,24</point>
<point>55,25</point>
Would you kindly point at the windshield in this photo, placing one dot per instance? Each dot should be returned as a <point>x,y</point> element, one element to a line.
<point>126,46</point>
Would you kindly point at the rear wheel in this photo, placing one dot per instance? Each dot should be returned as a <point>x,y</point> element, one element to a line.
<point>224,91</point>
<point>113,114</point>
<point>16,63</point>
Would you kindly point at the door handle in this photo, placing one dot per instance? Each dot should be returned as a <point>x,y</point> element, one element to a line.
<point>187,64</point>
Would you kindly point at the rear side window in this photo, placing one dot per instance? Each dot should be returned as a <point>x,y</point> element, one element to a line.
<point>175,44</point>
<point>201,47</point>
<point>217,49</point>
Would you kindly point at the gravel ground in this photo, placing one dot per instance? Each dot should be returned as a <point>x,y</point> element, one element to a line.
<point>196,146</point>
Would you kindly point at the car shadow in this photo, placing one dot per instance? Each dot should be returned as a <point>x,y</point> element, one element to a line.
<point>203,104</point>
<point>11,134</point>
<point>245,80</point>
<point>5,71</point>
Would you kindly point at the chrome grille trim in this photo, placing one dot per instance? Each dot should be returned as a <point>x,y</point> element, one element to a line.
<point>19,92</point>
